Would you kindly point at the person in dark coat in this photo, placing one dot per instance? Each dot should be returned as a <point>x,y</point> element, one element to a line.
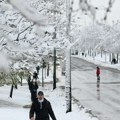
<point>29,79</point>
<point>42,109</point>
<point>38,68</point>
<point>33,86</point>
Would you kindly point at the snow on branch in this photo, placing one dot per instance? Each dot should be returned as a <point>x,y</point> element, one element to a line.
<point>29,12</point>
<point>86,7</point>
<point>108,9</point>
<point>23,31</point>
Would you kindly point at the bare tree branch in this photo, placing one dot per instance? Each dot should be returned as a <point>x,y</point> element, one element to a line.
<point>109,8</point>
<point>23,31</point>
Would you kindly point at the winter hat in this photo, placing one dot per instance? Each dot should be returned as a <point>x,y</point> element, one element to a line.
<point>40,93</point>
<point>97,67</point>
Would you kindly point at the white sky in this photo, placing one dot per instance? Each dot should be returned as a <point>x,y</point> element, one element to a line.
<point>113,15</point>
<point>102,4</point>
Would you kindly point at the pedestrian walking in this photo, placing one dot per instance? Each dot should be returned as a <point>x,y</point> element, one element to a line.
<point>98,73</point>
<point>35,75</point>
<point>98,77</point>
<point>41,108</point>
<point>37,69</point>
<point>33,86</point>
<point>43,63</point>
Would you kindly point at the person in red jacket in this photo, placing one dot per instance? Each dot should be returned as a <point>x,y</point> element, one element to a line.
<point>98,78</point>
<point>98,73</point>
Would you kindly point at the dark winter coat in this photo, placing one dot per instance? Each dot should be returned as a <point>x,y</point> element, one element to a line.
<point>35,75</point>
<point>42,113</point>
<point>38,68</point>
<point>33,89</point>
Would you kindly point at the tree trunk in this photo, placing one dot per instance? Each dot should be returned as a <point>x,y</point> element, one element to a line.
<point>42,78</point>
<point>110,57</point>
<point>45,72</point>
<point>90,52</point>
<point>21,80</point>
<point>117,57</point>
<point>11,91</point>
<point>48,70</point>
<point>95,54</point>
<point>101,53</point>
<point>68,81</point>
<point>105,56</point>
<point>54,70</point>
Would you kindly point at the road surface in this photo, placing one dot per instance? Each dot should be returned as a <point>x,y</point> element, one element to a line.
<point>103,100</point>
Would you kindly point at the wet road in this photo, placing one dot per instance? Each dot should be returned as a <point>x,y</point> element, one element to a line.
<point>103,99</point>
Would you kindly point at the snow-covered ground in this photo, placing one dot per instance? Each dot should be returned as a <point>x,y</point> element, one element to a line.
<point>12,108</point>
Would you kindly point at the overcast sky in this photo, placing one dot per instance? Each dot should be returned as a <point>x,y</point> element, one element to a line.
<point>102,4</point>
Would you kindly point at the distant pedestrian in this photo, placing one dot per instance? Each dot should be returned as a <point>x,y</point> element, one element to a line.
<point>38,68</point>
<point>114,61</point>
<point>44,63</point>
<point>98,77</point>
<point>41,108</point>
<point>98,73</point>
<point>35,75</point>
<point>33,86</point>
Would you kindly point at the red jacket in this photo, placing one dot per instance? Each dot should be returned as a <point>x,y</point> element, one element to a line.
<point>98,72</point>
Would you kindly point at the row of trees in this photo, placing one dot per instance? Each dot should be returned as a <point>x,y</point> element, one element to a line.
<point>24,40</point>
<point>25,35</point>
<point>100,38</point>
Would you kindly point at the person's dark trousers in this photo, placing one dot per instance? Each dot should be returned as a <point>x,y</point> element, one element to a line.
<point>38,72</point>
<point>33,97</point>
